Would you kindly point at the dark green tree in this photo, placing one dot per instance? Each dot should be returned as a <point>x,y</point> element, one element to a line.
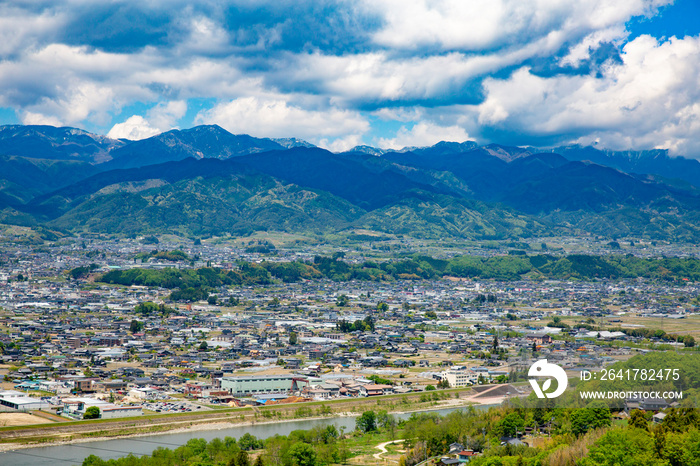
<point>367,422</point>
<point>342,301</point>
<point>135,326</point>
<point>509,425</point>
<point>596,414</point>
<point>623,447</point>
<point>248,441</point>
<point>369,323</point>
<point>93,412</point>
<point>242,458</point>
<point>638,420</point>
<point>302,454</point>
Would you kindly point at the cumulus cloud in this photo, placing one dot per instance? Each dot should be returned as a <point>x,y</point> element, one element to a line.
<point>162,117</point>
<point>73,85</point>
<point>582,50</point>
<point>135,127</point>
<point>277,118</point>
<point>340,144</point>
<point>424,134</point>
<point>489,24</point>
<point>84,101</point>
<point>432,52</point>
<point>649,99</point>
<point>206,36</point>
<point>376,77</point>
<point>20,29</point>
<point>31,118</point>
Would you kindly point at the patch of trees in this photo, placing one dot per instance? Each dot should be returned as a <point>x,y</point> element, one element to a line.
<point>172,256</point>
<point>380,380</point>
<point>261,247</point>
<point>190,295</point>
<point>594,415</point>
<point>82,272</point>
<point>149,308</point>
<point>687,340</point>
<point>364,325</point>
<point>150,240</point>
<point>511,267</point>
<point>577,435</point>
<point>485,298</point>
<point>557,323</point>
<point>246,274</point>
<point>290,272</point>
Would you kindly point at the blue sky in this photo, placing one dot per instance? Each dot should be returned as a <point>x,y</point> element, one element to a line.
<point>621,74</point>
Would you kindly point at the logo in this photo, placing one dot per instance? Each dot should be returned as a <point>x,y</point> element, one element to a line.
<point>542,368</point>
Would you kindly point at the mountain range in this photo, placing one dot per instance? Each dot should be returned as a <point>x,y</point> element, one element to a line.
<point>205,180</point>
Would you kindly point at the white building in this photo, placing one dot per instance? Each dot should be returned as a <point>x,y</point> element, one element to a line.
<point>75,408</point>
<point>460,376</point>
<point>19,401</point>
<point>143,393</point>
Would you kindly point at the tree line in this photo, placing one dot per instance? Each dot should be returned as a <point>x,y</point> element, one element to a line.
<point>509,267</point>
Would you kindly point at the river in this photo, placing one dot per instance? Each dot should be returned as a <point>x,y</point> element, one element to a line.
<point>75,453</point>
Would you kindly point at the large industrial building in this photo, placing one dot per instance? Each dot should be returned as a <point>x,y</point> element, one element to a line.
<point>259,384</point>
<point>21,402</point>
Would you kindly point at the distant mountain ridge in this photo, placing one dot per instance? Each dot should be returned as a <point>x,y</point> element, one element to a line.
<point>200,142</point>
<point>49,142</point>
<point>212,141</point>
<point>205,180</point>
<point>652,162</point>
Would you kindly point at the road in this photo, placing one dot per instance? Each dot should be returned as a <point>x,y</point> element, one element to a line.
<point>382,449</point>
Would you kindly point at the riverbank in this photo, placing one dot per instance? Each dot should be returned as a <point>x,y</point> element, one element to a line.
<point>60,434</point>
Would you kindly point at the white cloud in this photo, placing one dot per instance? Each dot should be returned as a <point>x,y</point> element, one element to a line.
<point>83,101</point>
<point>479,25</point>
<point>472,40</point>
<point>206,36</point>
<point>20,29</point>
<point>30,118</point>
<point>161,118</point>
<point>77,84</point>
<point>424,134</point>
<point>403,114</point>
<point>582,51</point>
<point>649,100</point>
<point>134,128</point>
<point>70,84</point>
<point>341,144</point>
<point>378,77</point>
<point>164,116</point>
<point>276,118</point>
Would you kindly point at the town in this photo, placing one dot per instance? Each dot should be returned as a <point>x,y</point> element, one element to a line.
<point>79,348</point>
